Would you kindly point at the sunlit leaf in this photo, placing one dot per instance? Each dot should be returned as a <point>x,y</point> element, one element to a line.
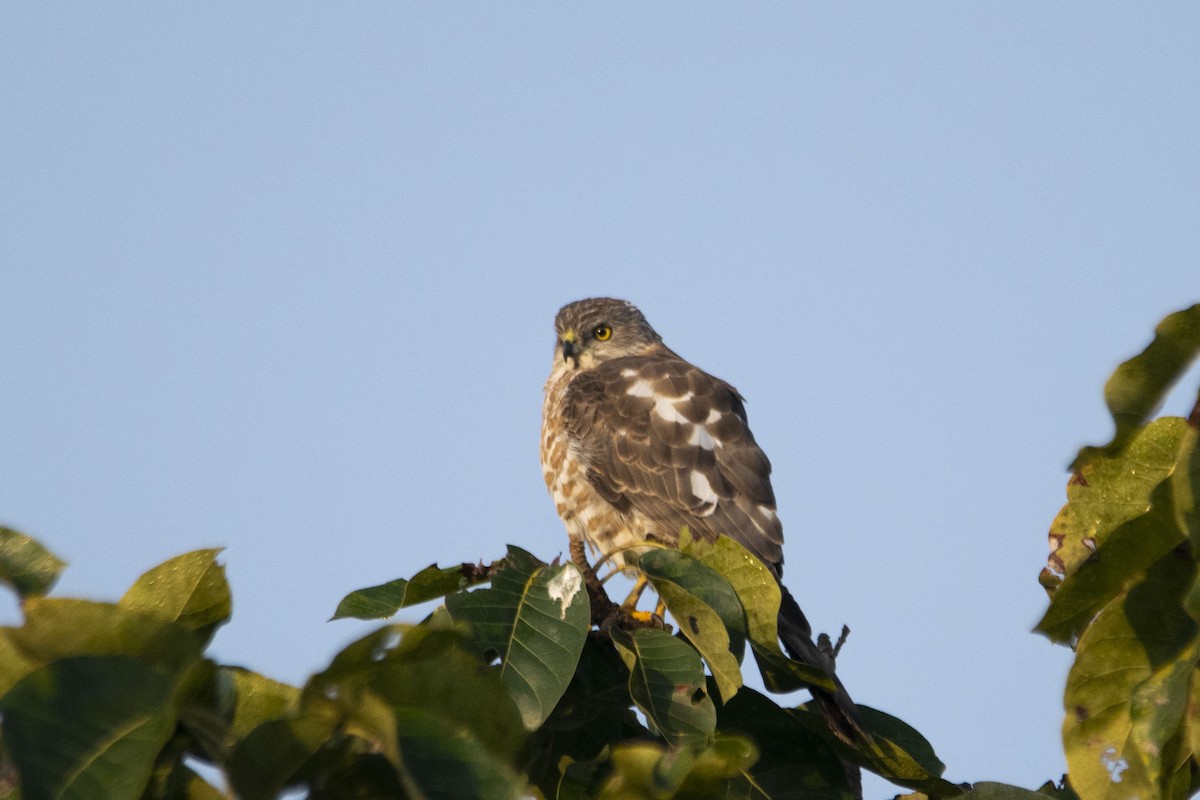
<point>759,594</point>
<point>61,627</point>
<point>248,699</point>
<point>535,618</point>
<point>380,602</point>
<point>638,770</point>
<point>88,727</point>
<point>189,590</point>
<point>26,566</point>
<point>1109,492</point>
<point>666,681</point>
<point>1157,712</point>
<point>1185,487</point>
<point>14,663</point>
<point>706,608</point>
<point>1127,553</point>
<point>1138,386</point>
<point>1127,662</point>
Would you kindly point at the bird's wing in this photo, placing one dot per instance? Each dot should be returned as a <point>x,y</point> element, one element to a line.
<point>670,441</point>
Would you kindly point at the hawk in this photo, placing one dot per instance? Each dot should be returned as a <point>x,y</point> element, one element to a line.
<point>637,443</point>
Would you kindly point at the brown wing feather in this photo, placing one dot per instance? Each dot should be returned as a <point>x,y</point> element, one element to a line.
<point>665,438</point>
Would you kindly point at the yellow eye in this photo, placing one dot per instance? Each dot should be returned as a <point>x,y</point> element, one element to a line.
<point>602,333</point>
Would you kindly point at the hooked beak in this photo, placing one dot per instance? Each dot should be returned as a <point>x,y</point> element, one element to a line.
<point>570,347</point>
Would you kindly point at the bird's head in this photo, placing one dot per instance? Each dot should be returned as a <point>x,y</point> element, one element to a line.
<point>600,329</point>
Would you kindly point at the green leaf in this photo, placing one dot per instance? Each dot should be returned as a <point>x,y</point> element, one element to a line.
<point>899,753</point>
<point>189,590</point>
<point>174,780</point>
<point>25,565</point>
<point>794,761</point>
<point>582,780</point>
<point>647,769</point>
<point>14,664</point>
<point>1118,556</point>
<point>535,618</point>
<point>62,627</point>
<point>1157,714</point>
<point>666,681</point>
<point>989,790</point>
<point>1185,487</point>
<point>248,699</point>
<point>427,669</point>
<point>1108,492</point>
<point>1121,692</point>
<point>380,602</point>
<point>595,711</point>
<point>445,762</point>
<point>706,608</point>
<point>88,727</point>
<point>268,759</point>
<point>758,592</point>
<point>1126,555</point>
<point>1138,386</point>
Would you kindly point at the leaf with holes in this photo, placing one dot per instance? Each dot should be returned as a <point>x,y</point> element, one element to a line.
<point>1118,555</point>
<point>758,592</point>
<point>705,607</point>
<point>666,681</point>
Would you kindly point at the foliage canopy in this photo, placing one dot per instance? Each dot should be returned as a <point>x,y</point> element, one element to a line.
<point>507,689</point>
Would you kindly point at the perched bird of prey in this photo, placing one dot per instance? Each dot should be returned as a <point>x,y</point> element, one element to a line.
<point>637,443</point>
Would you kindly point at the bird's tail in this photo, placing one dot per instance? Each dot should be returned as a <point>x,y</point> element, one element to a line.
<point>836,707</point>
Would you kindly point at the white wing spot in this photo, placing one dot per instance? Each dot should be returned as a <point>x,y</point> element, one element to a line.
<point>665,408</point>
<point>564,587</point>
<point>628,373</point>
<point>702,489</point>
<point>702,438</point>
<point>713,416</point>
<point>766,511</point>
<point>640,388</point>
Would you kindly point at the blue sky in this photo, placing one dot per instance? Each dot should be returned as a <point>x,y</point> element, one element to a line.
<point>281,278</point>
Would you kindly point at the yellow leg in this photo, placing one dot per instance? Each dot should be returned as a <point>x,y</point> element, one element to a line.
<point>634,596</point>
